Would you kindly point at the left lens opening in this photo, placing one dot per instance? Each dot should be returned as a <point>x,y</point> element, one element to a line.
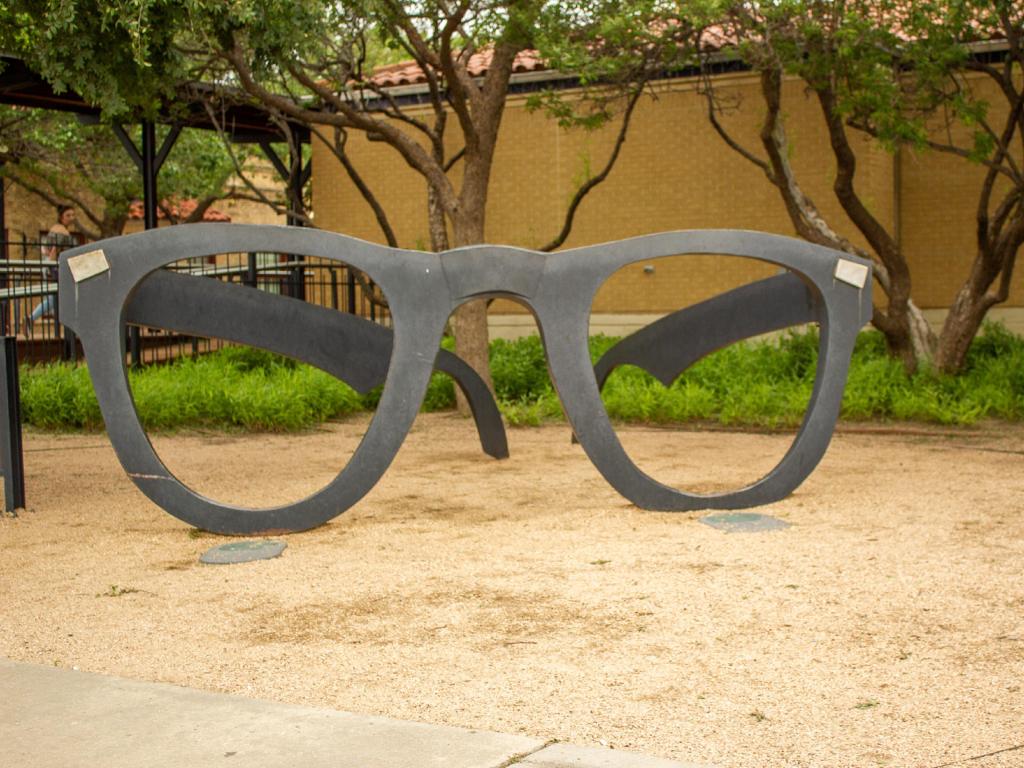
<point>261,371</point>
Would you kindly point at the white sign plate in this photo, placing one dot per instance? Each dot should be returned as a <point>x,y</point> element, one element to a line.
<point>88,265</point>
<point>851,272</point>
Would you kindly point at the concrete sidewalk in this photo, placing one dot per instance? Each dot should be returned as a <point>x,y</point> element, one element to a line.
<point>57,718</point>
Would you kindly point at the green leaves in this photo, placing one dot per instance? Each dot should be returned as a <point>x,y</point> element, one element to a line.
<point>53,151</point>
<point>765,384</point>
<point>611,48</point>
<point>116,54</point>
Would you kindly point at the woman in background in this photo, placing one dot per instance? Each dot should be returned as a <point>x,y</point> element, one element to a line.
<point>56,240</point>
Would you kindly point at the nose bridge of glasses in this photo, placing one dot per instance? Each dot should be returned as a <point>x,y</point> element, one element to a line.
<point>482,271</point>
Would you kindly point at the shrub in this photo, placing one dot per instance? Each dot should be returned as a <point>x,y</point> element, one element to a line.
<point>764,383</point>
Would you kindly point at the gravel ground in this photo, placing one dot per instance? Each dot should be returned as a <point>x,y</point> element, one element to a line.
<point>884,627</point>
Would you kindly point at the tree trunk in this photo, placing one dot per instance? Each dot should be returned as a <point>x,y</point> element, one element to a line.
<point>112,226</point>
<point>922,337</point>
<point>995,261</point>
<point>472,344</point>
<point>436,222</point>
<point>908,335</point>
<point>471,335</point>
<point>961,326</point>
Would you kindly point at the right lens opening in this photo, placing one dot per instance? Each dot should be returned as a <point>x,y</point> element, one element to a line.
<point>699,400</point>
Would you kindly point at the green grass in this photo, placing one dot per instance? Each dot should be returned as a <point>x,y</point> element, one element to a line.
<point>767,384</point>
<point>762,384</point>
<point>234,388</point>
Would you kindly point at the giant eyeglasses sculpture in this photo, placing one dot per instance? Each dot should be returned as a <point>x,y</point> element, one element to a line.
<point>122,280</point>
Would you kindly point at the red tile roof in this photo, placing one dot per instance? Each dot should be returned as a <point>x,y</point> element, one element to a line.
<point>713,38</point>
<point>180,209</point>
<point>409,72</point>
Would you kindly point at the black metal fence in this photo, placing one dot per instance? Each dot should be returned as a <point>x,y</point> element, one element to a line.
<point>29,303</point>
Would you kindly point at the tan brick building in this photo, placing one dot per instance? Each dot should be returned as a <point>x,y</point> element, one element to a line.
<point>675,173</point>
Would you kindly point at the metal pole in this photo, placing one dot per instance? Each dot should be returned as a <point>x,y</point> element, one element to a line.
<point>148,162</point>
<point>66,340</point>
<point>149,173</point>
<point>57,335</point>
<point>251,275</point>
<point>296,179</point>
<point>11,456</point>
<point>149,201</point>
<point>3,215</point>
<point>20,304</point>
<point>6,308</point>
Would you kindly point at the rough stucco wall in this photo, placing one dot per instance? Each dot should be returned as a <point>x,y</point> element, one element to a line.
<point>674,173</point>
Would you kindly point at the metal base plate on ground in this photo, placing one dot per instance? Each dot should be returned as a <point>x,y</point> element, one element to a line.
<point>242,552</point>
<point>744,522</point>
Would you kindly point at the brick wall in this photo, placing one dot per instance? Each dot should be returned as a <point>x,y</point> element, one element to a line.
<point>938,203</point>
<point>674,173</point>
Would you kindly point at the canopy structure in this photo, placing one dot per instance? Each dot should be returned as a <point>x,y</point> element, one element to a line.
<point>243,123</point>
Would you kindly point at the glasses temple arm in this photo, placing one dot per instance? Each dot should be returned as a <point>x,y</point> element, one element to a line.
<point>348,347</point>
<point>672,344</point>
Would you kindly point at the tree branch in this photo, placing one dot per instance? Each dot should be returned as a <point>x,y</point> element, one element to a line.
<point>168,213</point>
<point>713,109</point>
<point>1002,155</point>
<point>1011,246</point>
<point>488,107</point>
<point>55,197</point>
<point>803,213</point>
<point>846,169</point>
<point>337,148</point>
<point>454,159</point>
<point>345,116</point>
<point>1006,207</point>
<point>945,148</point>
<point>202,206</point>
<point>395,112</point>
<point>257,194</point>
<point>461,87</point>
<point>594,181</point>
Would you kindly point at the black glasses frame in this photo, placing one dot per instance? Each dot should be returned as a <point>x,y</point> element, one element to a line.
<point>104,285</point>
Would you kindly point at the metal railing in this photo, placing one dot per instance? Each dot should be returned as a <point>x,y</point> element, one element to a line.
<point>29,304</point>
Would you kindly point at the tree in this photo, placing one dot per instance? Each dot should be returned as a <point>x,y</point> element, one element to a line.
<point>54,156</point>
<point>887,68</point>
<point>117,56</point>
<point>812,40</point>
<point>312,63</point>
<point>49,154</point>
<point>466,52</point>
<point>948,71</point>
